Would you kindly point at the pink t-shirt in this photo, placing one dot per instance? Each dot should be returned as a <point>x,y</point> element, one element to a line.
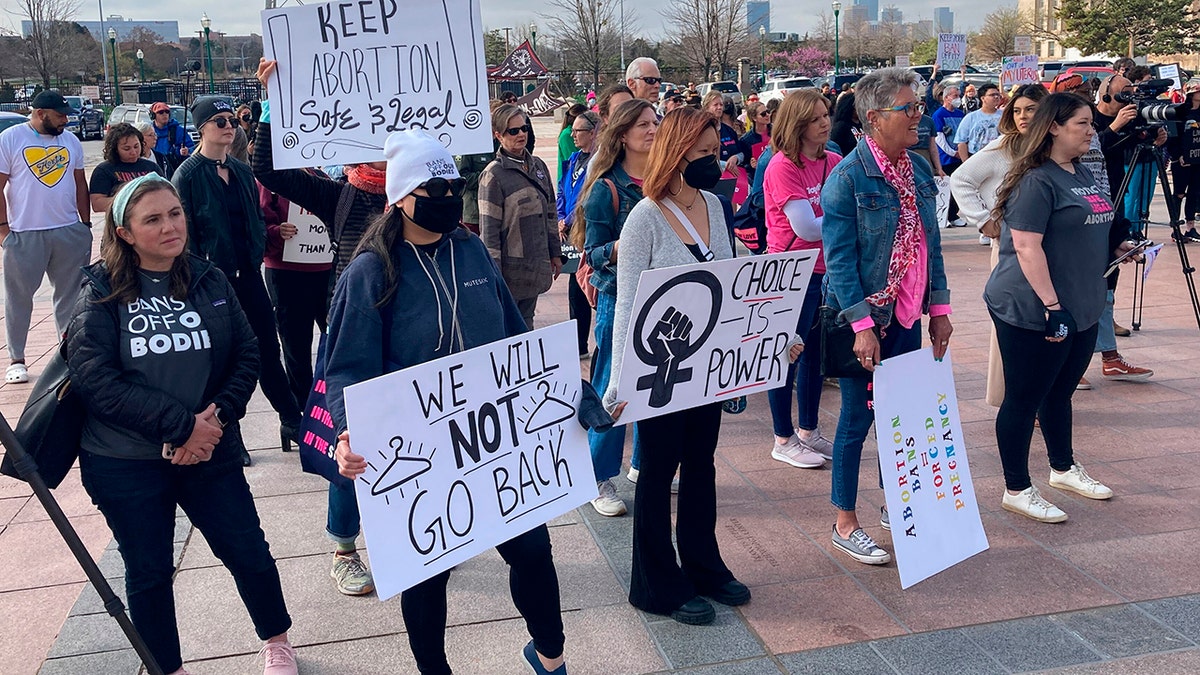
<point>784,182</point>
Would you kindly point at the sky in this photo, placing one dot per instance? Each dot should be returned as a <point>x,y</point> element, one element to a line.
<point>241,18</point>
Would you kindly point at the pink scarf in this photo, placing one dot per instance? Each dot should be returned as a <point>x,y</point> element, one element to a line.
<point>907,245</point>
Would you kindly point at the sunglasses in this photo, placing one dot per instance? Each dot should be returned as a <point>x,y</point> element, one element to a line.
<point>765,113</point>
<point>222,122</point>
<point>651,80</point>
<point>163,112</point>
<point>440,187</point>
<point>515,131</point>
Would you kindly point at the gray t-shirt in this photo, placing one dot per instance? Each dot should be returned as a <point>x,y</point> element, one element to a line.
<point>164,346</point>
<point>1073,215</point>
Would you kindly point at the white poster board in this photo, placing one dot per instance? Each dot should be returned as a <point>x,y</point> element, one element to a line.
<point>923,458</point>
<point>311,243</point>
<point>1170,72</point>
<point>349,74</point>
<point>1018,70</point>
<point>903,60</point>
<point>951,50</point>
<point>711,331</point>
<point>91,91</point>
<point>468,451</point>
<point>1022,44</point>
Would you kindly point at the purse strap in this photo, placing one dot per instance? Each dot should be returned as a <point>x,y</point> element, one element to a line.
<point>705,253</point>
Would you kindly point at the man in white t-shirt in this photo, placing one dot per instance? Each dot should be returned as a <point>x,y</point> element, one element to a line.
<point>45,220</point>
<point>982,126</point>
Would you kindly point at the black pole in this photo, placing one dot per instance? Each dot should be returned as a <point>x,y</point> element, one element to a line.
<point>27,468</point>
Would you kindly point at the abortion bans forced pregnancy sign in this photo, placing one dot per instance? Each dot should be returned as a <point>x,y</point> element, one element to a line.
<point>923,460</point>
<point>468,451</point>
<point>711,331</point>
<point>350,73</point>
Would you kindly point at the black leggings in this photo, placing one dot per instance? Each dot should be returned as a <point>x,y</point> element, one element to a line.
<point>581,311</point>
<point>1186,182</point>
<point>532,581</point>
<point>256,304</point>
<point>1039,379</point>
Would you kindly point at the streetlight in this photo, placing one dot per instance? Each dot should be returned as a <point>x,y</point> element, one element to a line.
<point>112,43</point>
<point>837,55</point>
<point>533,35</point>
<point>762,55</point>
<point>506,30</point>
<point>206,24</point>
<point>141,66</point>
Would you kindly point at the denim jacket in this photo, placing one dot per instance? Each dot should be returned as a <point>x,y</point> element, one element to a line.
<point>861,214</point>
<point>604,226</point>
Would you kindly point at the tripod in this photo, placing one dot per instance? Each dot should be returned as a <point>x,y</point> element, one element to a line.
<point>1140,153</point>
<point>28,470</point>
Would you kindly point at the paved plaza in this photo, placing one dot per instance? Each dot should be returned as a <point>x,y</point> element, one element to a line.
<point>1115,589</point>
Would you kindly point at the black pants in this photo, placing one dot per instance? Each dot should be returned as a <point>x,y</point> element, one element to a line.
<point>950,168</point>
<point>256,304</point>
<point>1186,183</point>
<point>533,582</point>
<point>301,301</point>
<point>686,440</point>
<point>581,311</point>
<point>1039,381</point>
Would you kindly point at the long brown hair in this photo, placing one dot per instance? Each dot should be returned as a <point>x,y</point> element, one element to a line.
<point>1032,149</point>
<point>606,153</point>
<point>679,131</point>
<point>380,238</point>
<point>1008,126</point>
<point>122,260</point>
<point>798,110</point>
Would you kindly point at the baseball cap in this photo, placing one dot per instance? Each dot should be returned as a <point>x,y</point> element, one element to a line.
<point>51,100</point>
<point>413,157</point>
<point>160,107</point>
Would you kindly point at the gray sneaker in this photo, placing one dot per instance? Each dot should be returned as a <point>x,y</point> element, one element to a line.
<point>884,521</point>
<point>818,444</point>
<point>860,546</point>
<point>351,574</point>
<point>608,503</point>
<point>796,454</point>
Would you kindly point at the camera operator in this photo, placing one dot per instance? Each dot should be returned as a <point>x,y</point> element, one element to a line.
<point>1185,162</point>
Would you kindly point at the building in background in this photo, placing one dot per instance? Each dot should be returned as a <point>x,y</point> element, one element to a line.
<point>943,20</point>
<point>758,15</point>
<point>167,30</point>
<point>922,30</point>
<point>892,15</point>
<point>1046,21</point>
<point>857,14</point>
<point>872,7</point>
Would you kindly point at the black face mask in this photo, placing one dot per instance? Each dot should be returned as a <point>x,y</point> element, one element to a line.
<point>703,173</point>
<point>437,214</point>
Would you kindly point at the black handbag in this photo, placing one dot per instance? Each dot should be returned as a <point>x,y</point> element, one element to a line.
<point>51,425</point>
<point>837,346</point>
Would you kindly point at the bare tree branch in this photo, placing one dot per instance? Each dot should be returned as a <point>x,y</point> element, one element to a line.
<point>49,35</point>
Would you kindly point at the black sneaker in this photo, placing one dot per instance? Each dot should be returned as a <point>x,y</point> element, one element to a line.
<point>1192,235</point>
<point>695,612</point>
<point>733,593</point>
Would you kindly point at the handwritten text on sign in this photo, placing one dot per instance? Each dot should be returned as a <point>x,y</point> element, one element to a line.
<point>951,50</point>
<point>468,451</point>
<point>350,73</point>
<point>711,331</point>
<point>923,460</point>
<point>311,243</point>
<point>1019,70</point>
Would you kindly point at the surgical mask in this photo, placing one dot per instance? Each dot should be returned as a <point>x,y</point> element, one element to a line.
<point>957,103</point>
<point>703,173</point>
<point>437,214</point>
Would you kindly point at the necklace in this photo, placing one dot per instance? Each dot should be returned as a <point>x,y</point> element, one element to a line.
<point>157,280</point>
<point>686,206</point>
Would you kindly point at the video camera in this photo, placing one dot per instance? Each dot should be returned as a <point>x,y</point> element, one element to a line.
<point>1152,113</point>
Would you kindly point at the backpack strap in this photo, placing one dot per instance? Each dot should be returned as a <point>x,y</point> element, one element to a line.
<point>612,188</point>
<point>341,214</point>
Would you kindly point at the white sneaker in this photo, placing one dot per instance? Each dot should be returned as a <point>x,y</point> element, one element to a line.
<point>985,240</point>
<point>16,373</point>
<point>958,222</point>
<point>608,503</point>
<point>818,444</point>
<point>1030,503</point>
<point>1078,481</point>
<point>795,453</point>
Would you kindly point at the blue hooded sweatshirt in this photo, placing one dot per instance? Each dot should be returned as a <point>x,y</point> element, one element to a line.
<point>570,183</point>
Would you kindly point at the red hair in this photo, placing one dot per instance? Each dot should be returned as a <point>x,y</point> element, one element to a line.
<point>679,131</point>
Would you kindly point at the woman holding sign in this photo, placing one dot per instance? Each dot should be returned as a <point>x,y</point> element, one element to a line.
<point>394,309</point>
<point>1046,296</point>
<point>883,272</point>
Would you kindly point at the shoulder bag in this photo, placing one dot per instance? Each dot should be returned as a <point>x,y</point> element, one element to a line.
<point>51,425</point>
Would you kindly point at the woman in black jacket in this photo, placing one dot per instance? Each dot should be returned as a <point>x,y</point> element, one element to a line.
<point>165,362</point>
<point>847,128</point>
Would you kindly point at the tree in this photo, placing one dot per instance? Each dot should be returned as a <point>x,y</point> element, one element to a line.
<point>856,40</point>
<point>1129,26</point>
<point>924,51</point>
<point>586,30</point>
<point>49,34</point>
<point>493,47</point>
<point>891,39</point>
<point>708,33</point>
<point>807,61</point>
<point>996,39</point>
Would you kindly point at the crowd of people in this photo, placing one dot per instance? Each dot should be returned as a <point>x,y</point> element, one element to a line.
<point>639,184</point>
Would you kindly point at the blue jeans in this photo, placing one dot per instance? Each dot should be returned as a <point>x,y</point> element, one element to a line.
<point>138,500</point>
<point>805,373</point>
<point>1106,339</point>
<point>607,446</point>
<point>858,415</point>
<point>342,521</point>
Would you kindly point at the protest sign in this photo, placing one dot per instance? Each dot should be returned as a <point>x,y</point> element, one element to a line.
<point>1022,44</point>
<point>923,461</point>
<point>571,256</point>
<point>349,74</point>
<point>711,331</point>
<point>311,243</point>
<point>952,50</point>
<point>903,60</point>
<point>1018,70</point>
<point>468,451</point>
<point>1170,71</point>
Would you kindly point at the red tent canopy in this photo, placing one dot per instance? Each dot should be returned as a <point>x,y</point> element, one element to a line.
<point>521,64</point>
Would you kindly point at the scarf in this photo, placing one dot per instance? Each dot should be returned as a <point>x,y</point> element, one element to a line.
<point>367,178</point>
<point>907,244</point>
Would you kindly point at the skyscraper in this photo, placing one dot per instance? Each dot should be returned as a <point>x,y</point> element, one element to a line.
<point>943,20</point>
<point>892,15</point>
<point>872,8</point>
<point>758,13</point>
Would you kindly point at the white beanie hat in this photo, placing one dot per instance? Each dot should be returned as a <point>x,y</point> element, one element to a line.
<point>413,157</point>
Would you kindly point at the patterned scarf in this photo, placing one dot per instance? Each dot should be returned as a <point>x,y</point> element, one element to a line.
<point>367,178</point>
<point>906,246</point>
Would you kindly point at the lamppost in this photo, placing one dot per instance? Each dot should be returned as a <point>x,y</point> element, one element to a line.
<point>112,44</point>
<point>533,35</point>
<point>141,56</point>
<point>206,24</point>
<point>837,34</point>
<point>762,55</point>
<point>506,30</point>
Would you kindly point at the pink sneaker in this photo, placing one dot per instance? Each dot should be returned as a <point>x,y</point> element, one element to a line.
<point>280,658</point>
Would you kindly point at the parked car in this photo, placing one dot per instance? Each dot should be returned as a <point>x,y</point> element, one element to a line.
<point>11,119</point>
<point>977,79</point>
<point>784,86</point>
<point>728,89</point>
<point>837,81</point>
<point>1050,69</point>
<point>86,121</point>
<point>926,72</point>
<point>135,113</point>
<point>20,108</point>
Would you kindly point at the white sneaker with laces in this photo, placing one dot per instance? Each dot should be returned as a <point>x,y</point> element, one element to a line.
<point>16,374</point>
<point>818,444</point>
<point>795,453</point>
<point>1031,504</point>
<point>608,503</point>
<point>1078,481</point>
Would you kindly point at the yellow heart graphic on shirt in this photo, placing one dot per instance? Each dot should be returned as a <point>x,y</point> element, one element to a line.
<point>48,165</point>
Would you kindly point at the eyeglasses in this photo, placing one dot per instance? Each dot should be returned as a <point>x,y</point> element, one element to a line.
<point>650,80</point>
<point>578,130</point>
<point>515,131</point>
<point>914,109</point>
<point>993,94</point>
<point>440,187</point>
<point>222,122</point>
